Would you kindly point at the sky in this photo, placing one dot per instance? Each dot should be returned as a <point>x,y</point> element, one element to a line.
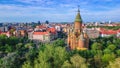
<point>59,10</point>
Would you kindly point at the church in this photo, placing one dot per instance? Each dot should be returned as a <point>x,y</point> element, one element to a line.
<point>77,38</point>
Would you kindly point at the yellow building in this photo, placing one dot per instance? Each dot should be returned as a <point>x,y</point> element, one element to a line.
<point>77,38</point>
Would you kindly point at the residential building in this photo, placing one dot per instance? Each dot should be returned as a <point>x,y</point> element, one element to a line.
<point>43,34</point>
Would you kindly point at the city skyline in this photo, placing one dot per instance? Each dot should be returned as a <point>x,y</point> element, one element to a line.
<point>58,11</point>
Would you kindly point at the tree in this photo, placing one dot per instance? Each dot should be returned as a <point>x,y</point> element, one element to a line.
<point>19,45</point>
<point>11,39</point>
<point>8,48</point>
<point>108,57</point>
<point>97,61</point>
<point>9,61</point>
<point>66,64</point>
<point>114,64</point>
<point>39,23</point>
<point>27,64</point>
<point>59,42</point>
<point>76,61</point>
<point>86,53</point>
<point>112,47</point>
<point>47,22</point>
<point>51,57</point>
<point>41,64</point>
<point>3,40</point>
<point>31,54</point>
<point>60,56</point>
<point>29,45</point>
<point>118,52</point>
<point>96,46</point>
<point>107,51</point>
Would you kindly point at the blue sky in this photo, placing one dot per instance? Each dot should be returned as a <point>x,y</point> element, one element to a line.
<point>58,10</point>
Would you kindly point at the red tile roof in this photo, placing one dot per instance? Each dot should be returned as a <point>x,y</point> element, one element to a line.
<point>119,30</point>
<point>5,33</point>
<point>52,30</point>
<point>40,33</point>
<point>108,32</point>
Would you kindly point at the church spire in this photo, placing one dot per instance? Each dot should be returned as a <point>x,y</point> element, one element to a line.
<point>78,17</point>
<point>78,9</point>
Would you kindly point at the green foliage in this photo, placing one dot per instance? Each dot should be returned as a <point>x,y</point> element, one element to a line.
<point>42,64</point>
<point>3,40</point>
<point>96,46</point>
<point>98,61</point>
<point>118,52</point>
<point>76,61</point>
<point>114,64</point>
<point>27,64</point>
<point>108,57</point>
<point>51,56</point>
<point>24,53</point>
<point>86,53</point>
<point>19,45</point>
<point>8,44</point>
<point>8,48</point>
<point>59,42</point>
<point>13,52</point>
<point>107,51</point>
<point>9,61</point>
<point>104,50</point>
<point>29,45</point>
<point>60,55</point>
<point>112,47</point>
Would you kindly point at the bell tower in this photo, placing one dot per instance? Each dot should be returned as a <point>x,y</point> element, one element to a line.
<point>78,21</point>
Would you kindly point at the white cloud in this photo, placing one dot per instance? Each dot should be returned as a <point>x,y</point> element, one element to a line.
<point>37,2</point>
<point>31,1</point>
<point>60,12</point>
<point>66,5</point>
<point>13,10</point>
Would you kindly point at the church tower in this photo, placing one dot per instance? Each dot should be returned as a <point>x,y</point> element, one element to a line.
<point>78,21</point>
<point>77,38</point>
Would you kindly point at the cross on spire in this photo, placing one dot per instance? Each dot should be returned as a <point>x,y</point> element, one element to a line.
<point>78,8</point>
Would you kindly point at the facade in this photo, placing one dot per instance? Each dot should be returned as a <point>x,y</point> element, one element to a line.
<point>118,34</point>
<point>92,32</point>
<point>43,35</point>
<point>77,38</point>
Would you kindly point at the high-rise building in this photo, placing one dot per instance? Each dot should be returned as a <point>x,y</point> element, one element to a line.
<point>77,38</point>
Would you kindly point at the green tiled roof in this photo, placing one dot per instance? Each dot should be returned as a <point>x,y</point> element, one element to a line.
<point>78,18</point>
